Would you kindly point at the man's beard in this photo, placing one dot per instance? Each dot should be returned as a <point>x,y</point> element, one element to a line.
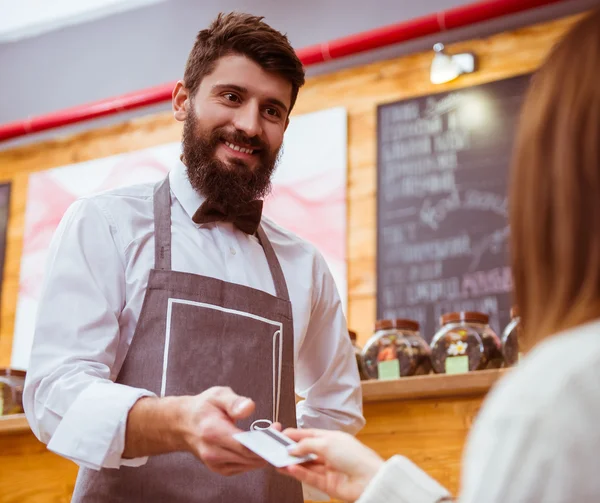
<point>230,184</point>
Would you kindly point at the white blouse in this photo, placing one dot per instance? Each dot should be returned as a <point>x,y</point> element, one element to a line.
<point>536,439</point>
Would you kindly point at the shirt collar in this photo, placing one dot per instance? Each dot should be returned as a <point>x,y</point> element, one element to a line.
<point>182,189</point>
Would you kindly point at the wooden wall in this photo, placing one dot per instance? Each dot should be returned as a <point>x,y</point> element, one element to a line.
<point>359,90</point>
<point>431,432</point>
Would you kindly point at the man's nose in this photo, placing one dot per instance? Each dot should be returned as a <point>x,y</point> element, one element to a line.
<point>248,120</point>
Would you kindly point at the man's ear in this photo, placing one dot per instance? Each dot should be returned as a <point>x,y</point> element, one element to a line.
<point>181,101</point>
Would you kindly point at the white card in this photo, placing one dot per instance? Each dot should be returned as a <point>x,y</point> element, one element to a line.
<point>271,445</point>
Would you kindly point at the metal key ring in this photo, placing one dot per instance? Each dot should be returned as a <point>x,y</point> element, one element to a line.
<point>255,425</point>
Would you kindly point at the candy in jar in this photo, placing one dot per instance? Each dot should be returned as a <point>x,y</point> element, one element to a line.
<point>465,342</point>
<point>388,353</point>
<point>420,350</point>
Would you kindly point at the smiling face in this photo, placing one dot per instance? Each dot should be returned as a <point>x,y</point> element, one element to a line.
<point>233,129</point>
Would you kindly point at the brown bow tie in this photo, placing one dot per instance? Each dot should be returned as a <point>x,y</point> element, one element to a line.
<point>246,218</point>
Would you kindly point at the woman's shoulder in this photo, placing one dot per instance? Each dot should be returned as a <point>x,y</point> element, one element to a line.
<point>541,416</point>
<point>557,381</point>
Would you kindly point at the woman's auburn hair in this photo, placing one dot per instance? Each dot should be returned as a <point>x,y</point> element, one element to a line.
<point>555,189</point>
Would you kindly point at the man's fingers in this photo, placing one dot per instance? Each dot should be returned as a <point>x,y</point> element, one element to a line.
<point>234,469</point>
<point>218,456</point>
<point>234,447</point>
<point>234,405</point>
<point>231,470</point>
<point>220,439</point>
<point>218,432</point>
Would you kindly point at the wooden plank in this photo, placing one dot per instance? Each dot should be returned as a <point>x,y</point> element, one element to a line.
<point>29,473</point>
<point>430,432</point>
<point>15,423</point>
<point>407,388</point>
<point>431,386</point>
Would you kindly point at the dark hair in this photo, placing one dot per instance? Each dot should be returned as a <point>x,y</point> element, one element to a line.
<point>555,187</point>
<point>247,35</point>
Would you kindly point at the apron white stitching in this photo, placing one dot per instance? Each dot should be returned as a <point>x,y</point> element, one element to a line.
<point>277,365</point>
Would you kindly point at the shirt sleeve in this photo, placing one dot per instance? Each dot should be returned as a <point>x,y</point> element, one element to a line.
<point>326,371</point>
<point>70,399</point>
<point>401,481</point>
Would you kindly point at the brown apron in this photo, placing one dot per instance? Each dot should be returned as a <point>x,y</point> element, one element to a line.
<point>195,332</point>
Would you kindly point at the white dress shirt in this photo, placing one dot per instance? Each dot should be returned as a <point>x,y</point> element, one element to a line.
<point>95,282</point>
<point>535,440</point>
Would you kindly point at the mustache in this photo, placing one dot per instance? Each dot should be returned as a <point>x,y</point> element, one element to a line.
<point>229,183</point>
<point>240,138</point>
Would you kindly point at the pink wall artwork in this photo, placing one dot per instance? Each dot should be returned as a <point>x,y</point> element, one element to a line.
<point>308,198</point>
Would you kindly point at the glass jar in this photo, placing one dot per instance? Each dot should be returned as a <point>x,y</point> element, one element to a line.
<point>421,352</point>
<point>11,391</point>
<point>510,339</point>
<point>358,355</point>
<point>465,342</point>
<point>388,353</point>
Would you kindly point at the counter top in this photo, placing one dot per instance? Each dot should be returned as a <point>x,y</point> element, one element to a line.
<point>407,388</point>
<point>431,386</point>
<point>14,423</point>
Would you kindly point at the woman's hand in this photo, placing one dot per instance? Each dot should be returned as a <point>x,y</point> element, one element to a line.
<point>343,468</point>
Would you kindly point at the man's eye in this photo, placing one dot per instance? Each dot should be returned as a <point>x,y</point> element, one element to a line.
<point>273,112</point>
<point>231,97</point>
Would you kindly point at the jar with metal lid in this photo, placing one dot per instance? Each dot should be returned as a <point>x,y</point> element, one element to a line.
<point>510,339</point>
<point>11,391</point>
<point>465,342</point>
<point>358,355</point>
<point>388,354</point>
<point>421,352</point>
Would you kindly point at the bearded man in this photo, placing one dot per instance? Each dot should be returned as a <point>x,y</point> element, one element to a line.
<point>175,315</point>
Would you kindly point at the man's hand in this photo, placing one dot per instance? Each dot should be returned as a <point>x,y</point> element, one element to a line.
<point>203,424</point>
<point>210,423</point>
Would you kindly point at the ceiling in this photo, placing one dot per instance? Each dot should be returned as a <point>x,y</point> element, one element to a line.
<point>28,18</point>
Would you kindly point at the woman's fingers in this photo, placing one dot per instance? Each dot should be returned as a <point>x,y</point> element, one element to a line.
<point>315,468</point>
<point>309,445</point>
<point>298,434</point>
<point>309,476</point>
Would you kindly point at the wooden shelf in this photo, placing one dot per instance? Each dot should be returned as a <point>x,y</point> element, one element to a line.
<point>431,386</point>
<point>408,388</point>
<point>15,423</point>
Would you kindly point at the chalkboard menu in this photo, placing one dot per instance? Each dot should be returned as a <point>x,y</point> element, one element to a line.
<point>442,227</point>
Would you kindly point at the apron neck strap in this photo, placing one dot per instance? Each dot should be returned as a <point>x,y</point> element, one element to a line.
<point>275,267</point>
<point>162,225</point>
<point>162,239</point>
